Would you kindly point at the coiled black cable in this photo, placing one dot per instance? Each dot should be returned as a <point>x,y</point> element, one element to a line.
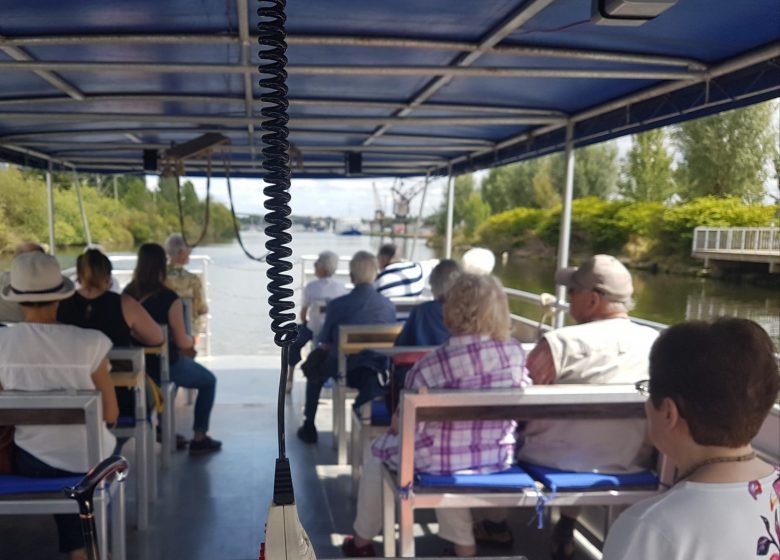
<point>276,162</point>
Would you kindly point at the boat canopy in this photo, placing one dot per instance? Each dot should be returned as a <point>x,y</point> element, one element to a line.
<point>408,87</point>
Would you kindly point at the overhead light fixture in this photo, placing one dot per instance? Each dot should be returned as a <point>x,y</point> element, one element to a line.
<point>627,12</point>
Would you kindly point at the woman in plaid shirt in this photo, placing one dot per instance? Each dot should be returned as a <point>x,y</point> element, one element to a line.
<point>479,354</point>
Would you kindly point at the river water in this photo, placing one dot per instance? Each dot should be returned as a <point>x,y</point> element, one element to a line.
<point>239,306</point>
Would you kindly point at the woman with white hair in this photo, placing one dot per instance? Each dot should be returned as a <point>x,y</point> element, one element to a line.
<point>317,292</point>
<point>41,354</point>
<point>479,355</point>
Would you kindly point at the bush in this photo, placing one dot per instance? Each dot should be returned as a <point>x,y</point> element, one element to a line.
<point>509,229</point>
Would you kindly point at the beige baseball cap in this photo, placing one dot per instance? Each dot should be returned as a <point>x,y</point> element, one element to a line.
<point>601,273</point>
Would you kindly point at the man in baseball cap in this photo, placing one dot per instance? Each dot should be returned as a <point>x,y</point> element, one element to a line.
<point>604,347</point>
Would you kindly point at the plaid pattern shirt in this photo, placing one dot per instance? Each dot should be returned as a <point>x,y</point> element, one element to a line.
<point>483,446</point>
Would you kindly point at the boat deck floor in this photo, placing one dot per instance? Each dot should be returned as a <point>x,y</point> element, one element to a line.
<point>214,507</point>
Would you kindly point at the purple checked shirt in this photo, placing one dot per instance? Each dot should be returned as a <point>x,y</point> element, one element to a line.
<point>483,446</point>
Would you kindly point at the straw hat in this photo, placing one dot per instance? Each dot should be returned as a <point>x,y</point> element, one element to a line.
<point>36,277</point>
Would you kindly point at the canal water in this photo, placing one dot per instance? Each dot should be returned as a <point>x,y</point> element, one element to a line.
<point>239,306</point>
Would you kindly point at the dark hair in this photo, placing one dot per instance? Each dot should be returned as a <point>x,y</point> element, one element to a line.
<point>387,250</point>
<point>149,273</point>
<point>443,276</point>
<point>93,267</point>
<point>721,375</point>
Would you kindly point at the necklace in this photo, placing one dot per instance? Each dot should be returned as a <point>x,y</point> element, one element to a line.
<point>714,460</point>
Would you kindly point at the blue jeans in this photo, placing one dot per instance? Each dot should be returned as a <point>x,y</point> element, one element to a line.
<point>68,524</point>
<point>188,373</point>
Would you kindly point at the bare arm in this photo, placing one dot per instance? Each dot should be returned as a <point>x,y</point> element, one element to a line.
<point>102,380</point>
<point>142,326</point>
<point>181,339</point>
<point>540,364</point>
<point>304,313</point>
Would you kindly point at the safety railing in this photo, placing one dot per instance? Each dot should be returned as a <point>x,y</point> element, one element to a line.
<point>746,241</point>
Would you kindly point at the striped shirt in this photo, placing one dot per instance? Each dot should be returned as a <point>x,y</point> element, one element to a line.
<point>400,279</point>
<point>464,362</point>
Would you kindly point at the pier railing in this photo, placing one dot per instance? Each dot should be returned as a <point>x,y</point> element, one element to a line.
<point>745,241</point>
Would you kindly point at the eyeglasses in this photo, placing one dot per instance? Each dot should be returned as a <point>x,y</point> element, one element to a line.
<point>643,387</point>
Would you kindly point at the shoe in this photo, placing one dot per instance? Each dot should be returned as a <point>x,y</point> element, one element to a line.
<point>205,445</point>
<point>351,550</point>
<point>181,441</point>
<point>563,547</point>
<point>307,433</point>
<point>493,533</point>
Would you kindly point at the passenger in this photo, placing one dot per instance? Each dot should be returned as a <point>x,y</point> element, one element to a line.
<point>186,284</point>
<point>425,324</point>
<point>40,354</point>
<point>711,386</point>
<point>120,317</point>
<point>323,289</point>
<point>165,307</point>
<point>478,261</point>
<point>362,306</point>
<point>604,347</point>
<point>479,355</point>
<point>11,312</point>
<point>398,278</point>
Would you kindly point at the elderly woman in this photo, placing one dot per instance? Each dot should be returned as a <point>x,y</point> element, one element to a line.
<point>478,355</point>
<point>41,354</point>
<point>165,307</point>
<point>711,386</point>
<point>120,317</point>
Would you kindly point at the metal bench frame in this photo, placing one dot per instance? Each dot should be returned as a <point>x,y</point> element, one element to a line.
<point>569,402</point>
<point>58,408</point>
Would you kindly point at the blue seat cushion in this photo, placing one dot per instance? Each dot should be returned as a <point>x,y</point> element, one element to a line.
<point>12,484</point>
<point>380,416</point>
<point>125,422</point>
<point>509,479</point>
<point>556,479</point>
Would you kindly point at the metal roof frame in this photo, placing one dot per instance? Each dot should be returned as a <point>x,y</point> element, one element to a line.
<point>395,106</point>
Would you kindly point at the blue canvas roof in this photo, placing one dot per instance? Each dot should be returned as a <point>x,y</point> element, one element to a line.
<point>414,86</point>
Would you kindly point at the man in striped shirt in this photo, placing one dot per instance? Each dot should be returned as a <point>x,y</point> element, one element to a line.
<point>397,278</point>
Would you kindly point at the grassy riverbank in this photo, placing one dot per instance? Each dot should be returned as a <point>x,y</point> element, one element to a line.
<point>135,216</point>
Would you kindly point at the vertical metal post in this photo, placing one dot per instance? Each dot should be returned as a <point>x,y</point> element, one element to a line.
<point>82,210</point>
<point>419,217</point>
<point>116,190</point>
<point>565,233</point>
<point>450,212</point>
<point>50,199</point>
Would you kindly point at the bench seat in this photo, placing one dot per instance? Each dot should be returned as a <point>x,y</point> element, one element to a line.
<point>509,479</point>
<point>11,484</point>
<point>555,479</point>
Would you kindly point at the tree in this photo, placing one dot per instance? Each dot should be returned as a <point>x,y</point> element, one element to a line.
<point>648,174</point>
<point>545,193</point>
<point>595,171</point>
<point>469,208</point>
<point>726,154</point>
<point>510,186</point>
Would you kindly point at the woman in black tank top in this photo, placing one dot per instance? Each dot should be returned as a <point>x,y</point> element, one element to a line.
<point>148,287</point>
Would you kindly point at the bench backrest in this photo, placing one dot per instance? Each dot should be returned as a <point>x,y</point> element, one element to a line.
<point>18,408</point>
<point>571,402</point>
<point>354,338</point>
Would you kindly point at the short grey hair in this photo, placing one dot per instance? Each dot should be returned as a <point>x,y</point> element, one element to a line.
<point>620,306</point>
<point>328,261</point>
<point>174,245</point>
<point>363,268</point>
<point>443,276</point>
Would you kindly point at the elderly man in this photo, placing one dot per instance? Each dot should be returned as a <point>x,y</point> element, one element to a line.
<point>397,278</point>
<point>186,284</point>
<point>362,306</point>
<point>320,290</point>
<point>10,311</point>
<point>605,347</point>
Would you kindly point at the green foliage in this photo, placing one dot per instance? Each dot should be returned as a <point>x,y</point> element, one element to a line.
<point>510,186</point>
<point>137,216</point>
<point>595,170</point>
<point>727,154</point>
<point>603,226</point>
<point>545,193</point>
<point>648,174</point>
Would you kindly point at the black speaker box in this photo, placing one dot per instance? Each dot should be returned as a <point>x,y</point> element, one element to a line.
<point>354,163</point>
<point>150,160</point>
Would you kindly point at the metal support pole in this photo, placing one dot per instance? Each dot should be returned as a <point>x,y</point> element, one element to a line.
<point>116,190</point>
<point>419,216</point>
<point>450,212</point>
<point>50,199</point>
<point>82,210</point>
<point>565,233</point>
